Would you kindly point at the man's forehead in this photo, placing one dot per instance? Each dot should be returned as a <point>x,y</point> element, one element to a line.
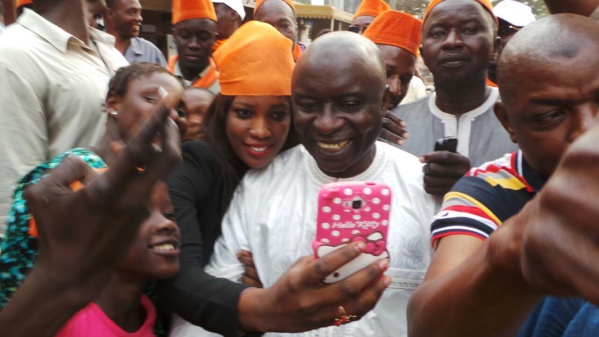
<point>273,10</point>
<point>196,24</point>
<point>456,10</point>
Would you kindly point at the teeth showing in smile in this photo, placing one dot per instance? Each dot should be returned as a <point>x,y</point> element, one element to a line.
<point>259,149</point>
<point>333,146</point>
<point>164,247</point>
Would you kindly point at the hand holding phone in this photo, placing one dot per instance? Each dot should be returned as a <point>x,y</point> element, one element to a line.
<point>348,212</point>
<point>447,144</point>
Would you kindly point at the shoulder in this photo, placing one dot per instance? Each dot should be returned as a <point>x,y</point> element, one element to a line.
<point>481,200</point>
<point>198,150</point>
<point>287,162</point>
<point>406,163</point>
<point>417,106</point>
<point>198,154</point>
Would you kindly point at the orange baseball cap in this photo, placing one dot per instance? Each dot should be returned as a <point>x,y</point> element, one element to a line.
<point>396,29</point>
<point>255,61</point>
<point>260,2</point>
<point>371,8</point>
<point>192,9</point>
<point>486,4</point>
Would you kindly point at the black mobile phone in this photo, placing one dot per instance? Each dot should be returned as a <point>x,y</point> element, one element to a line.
<point>447,144</point>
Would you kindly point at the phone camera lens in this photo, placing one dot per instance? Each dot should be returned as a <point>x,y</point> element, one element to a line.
<point>356,204</point>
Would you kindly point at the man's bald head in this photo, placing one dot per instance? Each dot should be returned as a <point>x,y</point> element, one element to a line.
<point>342,52</point>
<point>542,45</point>
<point>337,92</point>
<point>280,15</point>
<point>549,86</point>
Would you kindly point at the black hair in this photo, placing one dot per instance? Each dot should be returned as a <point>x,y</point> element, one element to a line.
<point>117,87</point>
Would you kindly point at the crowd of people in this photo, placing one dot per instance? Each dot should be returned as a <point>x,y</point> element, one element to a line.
<point>152,196</point>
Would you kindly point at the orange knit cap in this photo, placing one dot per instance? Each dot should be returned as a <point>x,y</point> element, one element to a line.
<point>486,4</point>
<point>371,8</point>
<point>396,29</point>
<point>192,9</point>
<point>255,61</point>
<point>23,3</point>
<point>260,2</point>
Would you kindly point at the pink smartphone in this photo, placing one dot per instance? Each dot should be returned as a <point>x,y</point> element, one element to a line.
<point>348,212</point>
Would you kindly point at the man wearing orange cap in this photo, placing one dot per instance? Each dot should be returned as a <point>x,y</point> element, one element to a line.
<point>458,42</point>
<point>397,35</point>
<point>55,71</point>
<point>366,13</point>
<point>195,35</point>
<point>281,15</point>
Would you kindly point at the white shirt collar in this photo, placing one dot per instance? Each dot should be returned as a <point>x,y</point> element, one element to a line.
<point>375,168</point>
<point>460,127</point>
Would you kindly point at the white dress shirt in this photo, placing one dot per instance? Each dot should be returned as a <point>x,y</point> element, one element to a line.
<point>51,97</point>
<point>273,215</point>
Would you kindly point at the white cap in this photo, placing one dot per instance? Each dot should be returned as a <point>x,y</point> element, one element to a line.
<point>514,12</point>
<point>235,5</point>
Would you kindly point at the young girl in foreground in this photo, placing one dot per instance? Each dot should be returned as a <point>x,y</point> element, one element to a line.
<point>133,95</point>
<point>122,309</point>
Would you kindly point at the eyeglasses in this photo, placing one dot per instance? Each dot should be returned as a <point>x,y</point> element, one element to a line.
<point>357,29</point>
<point>507,30</point>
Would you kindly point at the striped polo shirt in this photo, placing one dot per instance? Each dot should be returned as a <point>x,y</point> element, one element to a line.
<point>487,196</point>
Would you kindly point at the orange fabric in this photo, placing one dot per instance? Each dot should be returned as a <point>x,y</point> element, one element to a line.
<point>205,81</point>
<point>486,4</point>
<point>371,8</point>
<point>256,61</point>
<point>76,185</point>
<point>297,52</point>
<point>491,83</point>
<point>218,43</point>
<point>260,2</point>
<point>192,9</point>
<point>396,29</point>
<point>23,3</point>
<point>172,61</point>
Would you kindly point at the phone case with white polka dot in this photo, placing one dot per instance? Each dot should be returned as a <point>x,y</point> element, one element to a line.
<point>353,211</point>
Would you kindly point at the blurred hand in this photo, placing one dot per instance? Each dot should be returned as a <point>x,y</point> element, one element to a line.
<point>393,129</point>
<point>300,301</point>
<point>250,276</point>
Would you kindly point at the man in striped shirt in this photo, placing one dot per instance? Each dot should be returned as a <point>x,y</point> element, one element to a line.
<point>497,254</point>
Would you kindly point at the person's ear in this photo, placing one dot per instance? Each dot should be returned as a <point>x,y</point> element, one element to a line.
<point>496,49</point>
<point>501,114</point>
<point>108,13</point>
<point>112,106</point>
<point>386,98</point>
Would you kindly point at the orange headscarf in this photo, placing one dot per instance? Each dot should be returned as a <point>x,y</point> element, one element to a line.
<point>486,4</point>
<point>255,61</point>
<point>371,8</point>
<point>192,9</point>
<point>23,3</point>
<point>396,29</point>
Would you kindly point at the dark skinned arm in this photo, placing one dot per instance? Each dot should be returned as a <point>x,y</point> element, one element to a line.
<point>75,261</point>
<point>551,247</point>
